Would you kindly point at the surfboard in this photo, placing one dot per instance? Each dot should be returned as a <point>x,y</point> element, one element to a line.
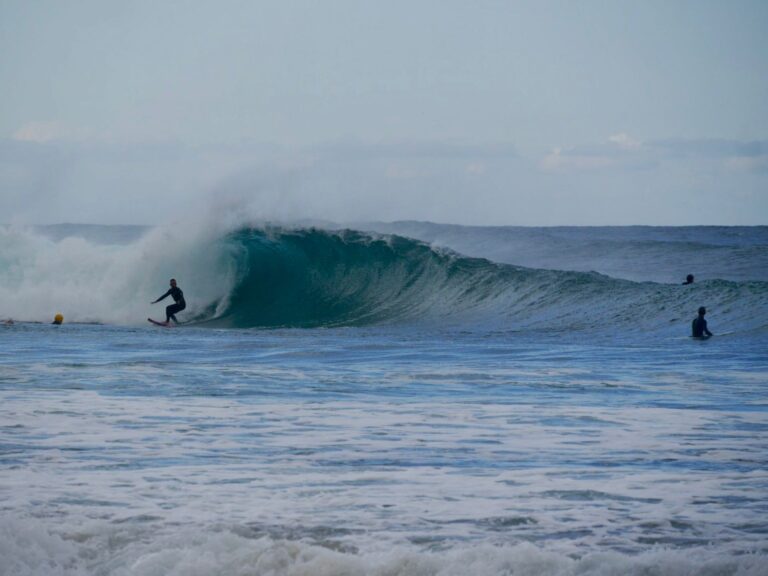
<point>156,323</point>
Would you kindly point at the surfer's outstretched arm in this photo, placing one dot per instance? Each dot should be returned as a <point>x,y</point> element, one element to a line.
<point>161,297</point>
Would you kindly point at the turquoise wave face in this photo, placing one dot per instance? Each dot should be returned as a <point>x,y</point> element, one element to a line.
<point>318,278</point>
<point>311,278</point>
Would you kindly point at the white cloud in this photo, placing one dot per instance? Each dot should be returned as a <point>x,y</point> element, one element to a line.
<point>424,149</point>
<point>38,132</point>
<point>476,168</point>
<point>625,142</point>
<point>619,149</point>
<point>401,172</point>
<point>712,147</point>
<point>748,163</point>
<point>560,159</point>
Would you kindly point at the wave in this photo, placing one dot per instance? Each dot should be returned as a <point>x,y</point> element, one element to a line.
<point>319,278</point>
<point>29,548</point>
<point>312,277</point>
<point>308,277</point>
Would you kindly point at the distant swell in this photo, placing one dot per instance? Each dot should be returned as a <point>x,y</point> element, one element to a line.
<point>311,278</point>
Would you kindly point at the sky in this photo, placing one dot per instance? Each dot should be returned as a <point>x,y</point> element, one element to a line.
<point>580,112</point>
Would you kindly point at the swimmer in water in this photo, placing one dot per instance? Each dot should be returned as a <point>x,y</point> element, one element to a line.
<point>699,325</point>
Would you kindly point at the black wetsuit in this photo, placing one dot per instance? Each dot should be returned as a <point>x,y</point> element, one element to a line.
<point>699,327</point>
<point>180,304</point>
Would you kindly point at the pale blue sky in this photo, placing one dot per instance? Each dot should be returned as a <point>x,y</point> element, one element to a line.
<point>483,112</point>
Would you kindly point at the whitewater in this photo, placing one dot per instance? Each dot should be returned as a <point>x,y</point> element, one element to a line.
<point>403,398</point>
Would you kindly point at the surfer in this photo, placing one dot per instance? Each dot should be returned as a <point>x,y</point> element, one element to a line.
<point>688,279</point>
<point>179,303</point>
<point>699,325</point>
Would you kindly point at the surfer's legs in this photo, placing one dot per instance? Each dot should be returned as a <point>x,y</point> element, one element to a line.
<point>170,312</point>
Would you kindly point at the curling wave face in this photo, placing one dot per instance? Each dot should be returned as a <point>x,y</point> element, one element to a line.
<point>318,278</point>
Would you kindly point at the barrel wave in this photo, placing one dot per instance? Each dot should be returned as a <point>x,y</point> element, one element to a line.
<point>261,276</point>
<point>313,277</point>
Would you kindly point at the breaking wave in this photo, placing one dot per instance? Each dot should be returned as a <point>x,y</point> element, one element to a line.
<point>307,277</point>
<point>311,277</point>
<point>31,549</point>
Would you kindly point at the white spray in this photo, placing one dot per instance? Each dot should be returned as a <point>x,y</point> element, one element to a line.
<point>112,283</point>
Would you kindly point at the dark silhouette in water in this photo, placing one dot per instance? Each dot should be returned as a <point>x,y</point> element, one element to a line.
<point>688,279</point>
<point>699,325</point>
<point>178,297</point>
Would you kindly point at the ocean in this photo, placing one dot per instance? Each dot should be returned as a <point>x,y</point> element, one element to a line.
<point>389,399</point>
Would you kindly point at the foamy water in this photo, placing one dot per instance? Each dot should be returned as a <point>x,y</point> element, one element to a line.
<point>378,451</point>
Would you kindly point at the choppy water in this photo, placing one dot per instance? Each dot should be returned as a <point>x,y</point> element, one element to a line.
<point>481,431</point>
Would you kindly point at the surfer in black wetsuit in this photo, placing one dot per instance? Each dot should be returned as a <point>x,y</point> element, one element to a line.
<point>699,325</point>
<point>688,279</point>
<point>179,303</point>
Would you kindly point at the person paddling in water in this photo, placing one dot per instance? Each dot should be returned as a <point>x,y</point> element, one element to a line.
<point>699,325</point>
<point>179,303</point>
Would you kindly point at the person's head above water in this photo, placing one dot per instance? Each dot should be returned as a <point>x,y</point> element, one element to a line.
<point>689,279</point>
<point>702,311</point>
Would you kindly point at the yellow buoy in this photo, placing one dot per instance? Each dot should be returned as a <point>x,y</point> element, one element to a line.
<point>58,319</point>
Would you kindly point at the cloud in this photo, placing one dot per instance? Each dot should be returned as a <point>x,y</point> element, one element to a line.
<point>560,159</point>
<point>712,148</point>
<point>618,150</point>
<point>412,162</point>
<point>38,132</point>
<point>417,150</point>
<point>747,156</point>
<point>100,182</point>
<point>398,172</point>
<point>748,163</point>
<point>736,155</point>
<point>623,151</point>
<point>625,142</point>
<point>476,168</point>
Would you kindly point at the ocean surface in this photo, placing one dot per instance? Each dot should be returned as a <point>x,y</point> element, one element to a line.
<point>390,399</point>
